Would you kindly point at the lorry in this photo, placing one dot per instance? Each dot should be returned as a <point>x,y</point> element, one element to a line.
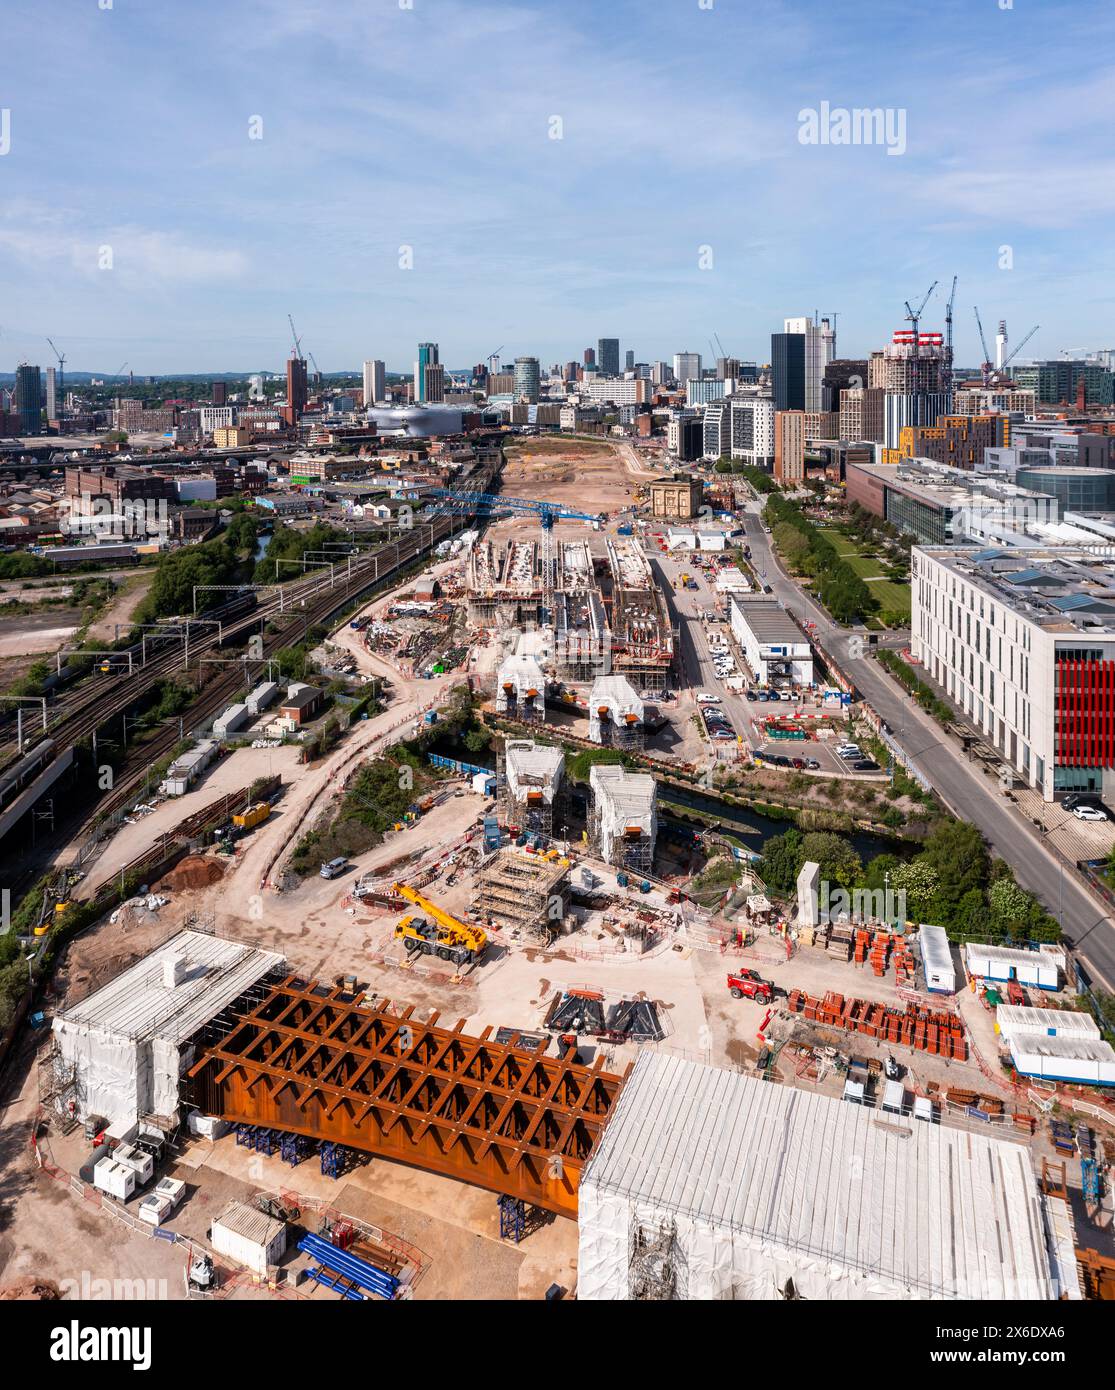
<point>745,983</point>
<point>438,933</point>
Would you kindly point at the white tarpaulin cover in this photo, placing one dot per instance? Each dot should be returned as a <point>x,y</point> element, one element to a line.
<point>124,1039</point>
<point>746,1185</point>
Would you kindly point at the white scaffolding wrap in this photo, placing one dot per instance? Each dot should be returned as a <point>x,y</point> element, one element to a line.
<point>711,1185</point>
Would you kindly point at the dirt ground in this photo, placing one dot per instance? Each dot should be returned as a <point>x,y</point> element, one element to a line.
<point>121,610</point>
<point>572,472</point>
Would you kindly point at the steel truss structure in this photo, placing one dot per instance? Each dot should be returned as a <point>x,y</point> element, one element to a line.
<point>310,1059</point>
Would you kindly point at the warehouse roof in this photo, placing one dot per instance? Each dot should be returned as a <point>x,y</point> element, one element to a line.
<point>768,620</point>
<point>936,1211</point>
<point>140,1003</point>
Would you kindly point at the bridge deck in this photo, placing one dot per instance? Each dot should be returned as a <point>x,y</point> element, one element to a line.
<point>312,1060</point>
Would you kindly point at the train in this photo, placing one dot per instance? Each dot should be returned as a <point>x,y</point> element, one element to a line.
<point>23,771</point>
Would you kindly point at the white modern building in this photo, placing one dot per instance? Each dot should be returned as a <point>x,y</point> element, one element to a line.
<point>708,389</point>
<point>775,648</point>
<point>820,349</point>
<point>124,1048</point>
<point>687,366</point>
<point>752,429</point>
<point>375,381</point>
<point>1024,644</point>
<point>617,390</point>
<point>711,1185</point>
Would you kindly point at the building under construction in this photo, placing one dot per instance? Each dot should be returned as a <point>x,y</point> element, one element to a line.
<point>516,890</point>
<point>643,640</point>
<point>530,788</point>
<point>623,822</point>
<point>521,688</point>
<point>606,613</point>
<point>505,584</point>
<point>615,714</point>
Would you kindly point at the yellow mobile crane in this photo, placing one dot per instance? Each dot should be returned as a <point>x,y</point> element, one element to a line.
<point>438,933</point>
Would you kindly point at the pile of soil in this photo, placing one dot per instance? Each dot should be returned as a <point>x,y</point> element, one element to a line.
<point>30,1289</point>
<point>195,871</point>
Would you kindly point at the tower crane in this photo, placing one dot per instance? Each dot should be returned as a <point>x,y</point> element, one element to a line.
<point>989,373</point>
<point>948,336</point>
<point>297,352</point>
<point>61,375</point>
<point>914,316</point>
<point>493,360</point>
<point>1000,372</point>
<point>986,367</point>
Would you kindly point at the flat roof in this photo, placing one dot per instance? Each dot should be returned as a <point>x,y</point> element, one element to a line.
<point>768,620</point>
<point>936,1211</point>
<point>1062,1022</point>
<point>138,1004</point>
<point>935,948</point>
<point>1063,589</point>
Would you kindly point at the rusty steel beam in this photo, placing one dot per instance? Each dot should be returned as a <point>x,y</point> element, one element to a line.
<point>311,1060</point>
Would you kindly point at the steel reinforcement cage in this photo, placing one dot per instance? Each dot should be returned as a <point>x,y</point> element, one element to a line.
<point>310,1059</point>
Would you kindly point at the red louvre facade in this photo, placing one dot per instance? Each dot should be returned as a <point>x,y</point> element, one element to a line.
<point>1085,714</point>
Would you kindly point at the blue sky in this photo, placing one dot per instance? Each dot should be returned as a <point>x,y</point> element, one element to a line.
<point>429,127</point>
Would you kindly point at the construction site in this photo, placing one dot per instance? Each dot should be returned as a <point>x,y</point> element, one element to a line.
<point>525,1036</point>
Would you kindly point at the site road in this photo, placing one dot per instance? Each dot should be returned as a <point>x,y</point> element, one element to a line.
<point>965,789</point>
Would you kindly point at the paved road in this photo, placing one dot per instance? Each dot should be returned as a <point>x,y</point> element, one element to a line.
<point>965,788</point>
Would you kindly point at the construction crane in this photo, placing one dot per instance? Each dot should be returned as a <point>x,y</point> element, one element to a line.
<point>61,375</point>
<point>317,369</point>
<point>439,932</point>
<point>948,336</point>
<point>493,360</point>
<point>297,348</point>
<point>989,372</point>
<point>986,366</point>
<point>914,316</point>
<point>546,512</point>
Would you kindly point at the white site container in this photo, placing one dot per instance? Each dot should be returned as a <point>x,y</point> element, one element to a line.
<point>248,1237</point>
<point>138,1160</point>
<point>117,1179</point>
<point>155,1209</point>
<point>855,1091</point>
<point>936,960</point>
<point>171,1189</point>
<point>1083,1060</point>
<point>1004,963</point>
<point>894,1097</point>
<point>1054,1023</point>
<point>923,1109</point>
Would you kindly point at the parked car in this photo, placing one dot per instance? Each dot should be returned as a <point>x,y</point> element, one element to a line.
<point>1088,813</point>
<point>812,763</point>
<point>751,695</point>
<point>704,698</point>
<point>799,763</point>
<point>865,765</point>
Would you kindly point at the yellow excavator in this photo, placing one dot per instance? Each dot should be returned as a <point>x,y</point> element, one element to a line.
<point>438,933</point>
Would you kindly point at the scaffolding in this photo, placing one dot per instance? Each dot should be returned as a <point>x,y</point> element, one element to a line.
<point>657,1267</point>
<point>530,788</point>
<point>58,1088</point>
<point>528,892</point>
<point>623,820</point>
<point>616,715</point>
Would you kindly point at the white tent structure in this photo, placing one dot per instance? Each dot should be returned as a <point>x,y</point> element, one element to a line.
<point>708,1184</point>
<point>624,816</point>
<point>614,710</point>
<point>521,687</point>
<point>128,1042</point>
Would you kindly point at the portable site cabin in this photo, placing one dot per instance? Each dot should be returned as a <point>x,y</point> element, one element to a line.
<point>1005,963</point>
<point>1054,1023</point>
<point>1084,1061</point>
<point>249,1237</point>
<point>936,960</point>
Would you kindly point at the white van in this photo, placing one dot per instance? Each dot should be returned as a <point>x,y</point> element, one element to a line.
<point>704,698</point>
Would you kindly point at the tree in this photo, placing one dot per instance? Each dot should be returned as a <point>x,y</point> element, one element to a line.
<point>782,860</point>
<point>956,850</point>
<point>920,882</point>
<point>838,860</point>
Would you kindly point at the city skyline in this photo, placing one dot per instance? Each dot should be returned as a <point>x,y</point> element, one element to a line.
<point>680,148</point>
